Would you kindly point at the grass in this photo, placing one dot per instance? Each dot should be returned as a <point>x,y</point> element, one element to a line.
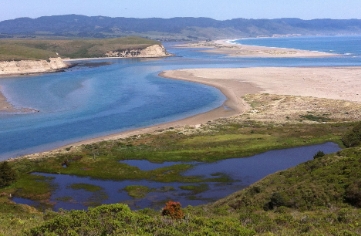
<point>34,49</point>
<point>195,189</point>
<point>322,118</point>
<point>137,191</point>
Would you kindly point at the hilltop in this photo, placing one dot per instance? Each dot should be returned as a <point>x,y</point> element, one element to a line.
<point>180,28</point>
<point>35,49</point>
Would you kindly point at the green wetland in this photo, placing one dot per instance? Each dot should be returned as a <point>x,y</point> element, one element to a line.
<point>270,205</point>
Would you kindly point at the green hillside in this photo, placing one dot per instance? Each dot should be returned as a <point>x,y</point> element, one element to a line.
<point>34,49</point>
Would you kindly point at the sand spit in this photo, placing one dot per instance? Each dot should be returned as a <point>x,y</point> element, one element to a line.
<point>240,50</point>
<point>341,83</point>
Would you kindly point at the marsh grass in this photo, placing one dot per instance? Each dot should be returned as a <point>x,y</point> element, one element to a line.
<point>86,187</point>
<point>216,141</point>
<point>195,189</point>
<point>137,191</point>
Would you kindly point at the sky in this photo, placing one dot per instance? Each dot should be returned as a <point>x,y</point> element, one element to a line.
<point>216,9</point>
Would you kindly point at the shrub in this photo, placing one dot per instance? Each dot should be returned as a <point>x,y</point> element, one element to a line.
<point>173,209</point>
<point>353,194</point>
<point>7,174</point>
<point>353,138</point>
<point>318,154</point>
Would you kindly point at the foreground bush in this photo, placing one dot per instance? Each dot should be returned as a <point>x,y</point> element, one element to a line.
<point>173,210</point>
<point>118,219</point>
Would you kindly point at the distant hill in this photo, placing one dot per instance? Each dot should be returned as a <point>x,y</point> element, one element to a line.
<point>180,28</point>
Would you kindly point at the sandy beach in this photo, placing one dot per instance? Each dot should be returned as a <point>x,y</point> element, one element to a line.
<point>341,83</point>
<point>241,50</point>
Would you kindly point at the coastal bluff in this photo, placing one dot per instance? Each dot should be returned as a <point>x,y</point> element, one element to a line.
<point>31,66</point>
<point>55,64</point>
<point>148,52</point>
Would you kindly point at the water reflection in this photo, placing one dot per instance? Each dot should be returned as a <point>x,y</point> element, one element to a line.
<point>242,171</point>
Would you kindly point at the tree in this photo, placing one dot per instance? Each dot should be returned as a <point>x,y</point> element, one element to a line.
<point>7,174</point>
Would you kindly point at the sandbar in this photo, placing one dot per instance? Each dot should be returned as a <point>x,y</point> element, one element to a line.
<point>5,106</point>
<point>240,50</point>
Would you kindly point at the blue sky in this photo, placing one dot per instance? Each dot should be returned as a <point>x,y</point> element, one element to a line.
<point>217,9</point>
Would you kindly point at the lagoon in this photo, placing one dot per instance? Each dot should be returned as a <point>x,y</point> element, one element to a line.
<point>241,172</point>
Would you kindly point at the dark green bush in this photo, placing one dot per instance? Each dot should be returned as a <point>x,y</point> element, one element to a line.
<point>7,174</point>
<point>318,154</point>
<point>353,194</point>
<point>353,138</point>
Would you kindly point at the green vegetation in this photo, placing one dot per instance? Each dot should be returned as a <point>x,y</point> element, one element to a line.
<point>353,138</point>
<point>319,197</point>
<point>137,191</point>
<point>318,118</point>
<point>318,154</point>
<point>35,49</point>
<point>216,141</point>
<point>7,174</point>
<point>195,188</point>
<point>118,219</point>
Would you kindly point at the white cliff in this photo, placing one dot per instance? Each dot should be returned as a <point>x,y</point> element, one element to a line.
<point>151,51</point>
<point>31,66</point>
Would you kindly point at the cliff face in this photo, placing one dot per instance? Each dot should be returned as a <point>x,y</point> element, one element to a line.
<point>55,64</point>
<point>151,51</point>
<point>30,66</point>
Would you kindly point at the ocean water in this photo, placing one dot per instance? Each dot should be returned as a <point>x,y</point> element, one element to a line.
<point>343,45</point>
<point>87,102</point>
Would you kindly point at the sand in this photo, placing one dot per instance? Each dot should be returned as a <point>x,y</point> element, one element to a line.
<point>241,50</point>
<point>342,83</point>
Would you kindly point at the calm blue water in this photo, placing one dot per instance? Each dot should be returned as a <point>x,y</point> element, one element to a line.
<point>350,46</point>
<point>241,171</point>
<point>90,102</point>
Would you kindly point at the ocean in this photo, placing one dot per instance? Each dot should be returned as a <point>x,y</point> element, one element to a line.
<point>343,45</point>
<point>88,102</point>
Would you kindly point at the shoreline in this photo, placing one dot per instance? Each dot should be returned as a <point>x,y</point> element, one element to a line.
<point>225,46</point>
<point>232,106</point>
<point>234,83</point>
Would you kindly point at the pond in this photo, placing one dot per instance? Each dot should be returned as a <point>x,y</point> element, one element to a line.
<point>73,192</point>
